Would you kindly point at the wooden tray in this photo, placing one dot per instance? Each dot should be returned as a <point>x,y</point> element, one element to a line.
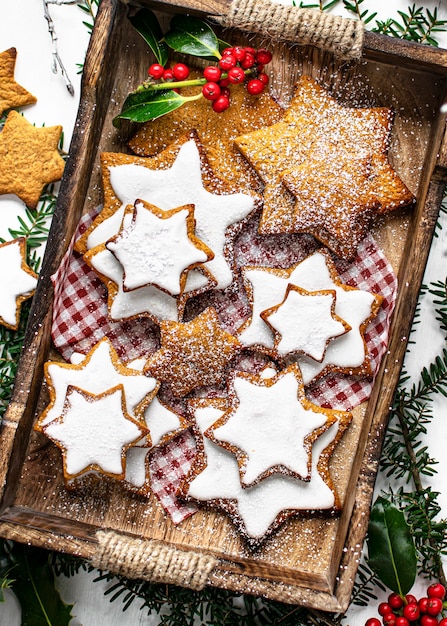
<point>318,572</point>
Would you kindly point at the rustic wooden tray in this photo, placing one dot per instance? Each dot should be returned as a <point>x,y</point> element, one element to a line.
<point>318,572</point>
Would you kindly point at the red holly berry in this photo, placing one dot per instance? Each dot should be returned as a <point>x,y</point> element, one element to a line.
<point>180,71</point>
<point>168,74</point>
<point>402,621</point>
<point>225,91</point>
<point>255,86</point>
<point>422,604</point>
<point>250,50</point>
<point>411,611</point>
<point>238,53</point>
<point>436,590</point>
<point>410,598</point>
<point>248,61</point>
<point>434,606</point>
<point>443,622</point>
<point>395,601</point>
<point>211,91</point>
<point>226,51</point>
<point>263,78</point>
<point>384,608</point>
<point>227,62</point>
<point>212,73</point>
<point>221,104</point>
<point>156,70</point>
<point>224,82</point>
<point>263,56</point>
<point>373,621</point>
<point>428,620</point>
<point>389,619</point>
<point>236,75</point>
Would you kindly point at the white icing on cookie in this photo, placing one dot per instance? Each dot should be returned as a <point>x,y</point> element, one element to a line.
<point>169,188</point>
<point>96,374</point>
<point>258,506</point>
<point>153,250</point>
<point>14,280</point>
<point>94,431</point>
<point>305,322</point>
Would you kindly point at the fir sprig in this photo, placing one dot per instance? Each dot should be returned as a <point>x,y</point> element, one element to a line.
<point>90,8</point>
<point>355,7</point>
<point>419,24</point>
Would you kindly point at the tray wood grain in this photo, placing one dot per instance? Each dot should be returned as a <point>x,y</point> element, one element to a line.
<point>317,572</point>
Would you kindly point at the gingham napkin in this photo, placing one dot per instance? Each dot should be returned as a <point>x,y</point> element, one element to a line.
<point>80,320</point>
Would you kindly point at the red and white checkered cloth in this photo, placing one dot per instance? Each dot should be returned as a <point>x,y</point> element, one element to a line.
<point>80,320</point>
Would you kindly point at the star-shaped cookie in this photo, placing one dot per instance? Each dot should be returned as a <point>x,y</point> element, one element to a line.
<point>173,249</point>
<point>29,158</point>
<point>305,322</point>
<point>11,93</point>
<point>94,431</point>
<point>193,354</point>
<point>17,281</point>
<point>271,426</point>
<point>326,170</point>
<point>266,288</point>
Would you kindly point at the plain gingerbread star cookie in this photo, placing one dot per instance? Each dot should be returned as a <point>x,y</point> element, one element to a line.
<point>11,93</point>
<point>29,158</point>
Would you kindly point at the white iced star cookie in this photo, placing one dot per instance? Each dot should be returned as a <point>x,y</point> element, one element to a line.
<point>259,510</point>
<point>94,431</point>
<point>17,281</point>
<point>270,426</point>
<point>186,179</point>
<point>157,247</point>
<point>98,372</point>
<point>305,322</point>
<point>266,288</point>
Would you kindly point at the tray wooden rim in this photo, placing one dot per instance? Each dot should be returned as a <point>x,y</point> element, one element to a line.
<point>18,419</point>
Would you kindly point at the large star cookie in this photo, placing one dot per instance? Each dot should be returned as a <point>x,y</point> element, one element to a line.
<point>256,511</point>
<point>29,158</point>
<point>11,93</point>
<point>17,281</point>
<point>178,176</point>
<point>271,426</point>
<point>193,354</point>
<point>267,287</point>
<point>326,170</point>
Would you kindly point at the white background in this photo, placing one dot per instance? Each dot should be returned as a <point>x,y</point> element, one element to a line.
<point>22,25</point>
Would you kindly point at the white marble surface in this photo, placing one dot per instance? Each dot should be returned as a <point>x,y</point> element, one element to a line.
<point>23,25</point>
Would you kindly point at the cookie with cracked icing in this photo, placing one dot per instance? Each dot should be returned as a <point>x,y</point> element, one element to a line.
<point>259,510</point>
<point>17,281</point>
<point>335,175</point>
<point>305,322</point>
<point>29,158</point>
<point>193,354</point>
<point>11,93</point>
<point>178,175</point>
<point>94,432</point>
<point>266,287</point>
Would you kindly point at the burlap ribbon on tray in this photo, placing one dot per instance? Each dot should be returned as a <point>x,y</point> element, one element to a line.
<point>339,35</point>
<point>152,560</point>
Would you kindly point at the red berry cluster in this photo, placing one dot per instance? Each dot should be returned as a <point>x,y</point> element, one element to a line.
<point>237,65</point>
<point>409,611</point>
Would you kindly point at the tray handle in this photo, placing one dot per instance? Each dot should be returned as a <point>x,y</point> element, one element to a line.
<point>152,560</point>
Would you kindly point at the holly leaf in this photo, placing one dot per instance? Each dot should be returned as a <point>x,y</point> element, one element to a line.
<point>391,550</point>
<point>189,35</point>
<point>142,106</point>
<point>146,23</point>
<point>35,589</point>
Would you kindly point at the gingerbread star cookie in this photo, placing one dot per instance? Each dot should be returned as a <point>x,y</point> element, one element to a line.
<point>193,354</point>
<point>17,281</point>
<point>11,93</point>
<point>29,158</point>
<point>94,431</point>
<point>174,249</point>
<point>271,426</point>
<point>334,176</point>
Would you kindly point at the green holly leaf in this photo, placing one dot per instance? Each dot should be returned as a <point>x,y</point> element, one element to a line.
<point>189,35</point>
<point>146,23</point>
<point>34,587</point>
<point>149,104</point>
<point>391,549</point>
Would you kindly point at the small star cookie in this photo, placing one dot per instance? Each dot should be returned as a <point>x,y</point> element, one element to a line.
<point>11,93</point>
<point>17,281</point>
<point>193,354</point>
<point>29,158</point>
